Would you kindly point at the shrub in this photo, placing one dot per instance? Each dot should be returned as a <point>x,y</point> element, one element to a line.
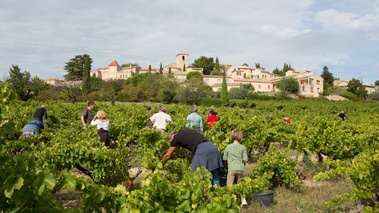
<point>238,93</point>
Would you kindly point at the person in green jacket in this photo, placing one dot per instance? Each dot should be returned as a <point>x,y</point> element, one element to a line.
<point>236,156</point>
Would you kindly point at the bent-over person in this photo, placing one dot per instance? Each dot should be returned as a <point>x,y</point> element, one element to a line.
<point>205,152</point>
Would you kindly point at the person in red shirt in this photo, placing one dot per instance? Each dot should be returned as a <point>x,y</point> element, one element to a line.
<point>212,118</point>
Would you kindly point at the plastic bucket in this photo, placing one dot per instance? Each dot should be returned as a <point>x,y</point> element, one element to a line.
<point>265,198</point>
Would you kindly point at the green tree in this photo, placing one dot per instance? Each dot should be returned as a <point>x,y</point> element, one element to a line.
<point>194,74</point>
<point>283,71</point>
<point>135,80</point>
<point>159,88</point>
<point>276,71</point>
<point>149,72</point>
<point>377,84</point>
<point>111,88</point>
<point>328,77</point>
<point>204,62</point>
<point>238,93</point>
<point>217,66</point>
<point>224,92</point>
<point>75,67</point>
<point>245,64</point>
<point>248,87</point>
<point>72,91</point>
<point>160,69</point>
<point>22,84</point>
<point>169,71</point>
<point>290,85</point>
<point>355,86</point>
<point>257,65</point>
<point>86,82</point>
<point>130,64</point>
<point>192,90</point>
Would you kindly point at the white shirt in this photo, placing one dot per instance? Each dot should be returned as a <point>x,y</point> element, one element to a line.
<point>160,120</point>
<point>104,125</point>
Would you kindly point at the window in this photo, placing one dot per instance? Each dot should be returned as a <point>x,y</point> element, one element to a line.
<point>318,90</point>
<point>259,86</point>
<point>218,80</point>
<point>268,86</point>
<point>318,82</point>
<point>207,80</point>
<point>227,81</point>
<point>311,81</point>
<point>312,89</point>
<point>183,58</point>
<point>179,77</point>
<point>120,76</point>
<point>303,88</point>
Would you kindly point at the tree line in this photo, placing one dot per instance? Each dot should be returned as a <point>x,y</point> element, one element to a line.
<point>159,88</point>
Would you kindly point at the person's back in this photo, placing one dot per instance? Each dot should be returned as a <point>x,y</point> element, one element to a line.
<point>32,128</point>
<point>342,116</point>
<point>212,118</point>
<point>195,119</point>
<point>40,112</point>
<point>160,119</point>
<point>236,156</point>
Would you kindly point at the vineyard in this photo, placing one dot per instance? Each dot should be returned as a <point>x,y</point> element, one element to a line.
<point>34,170</point>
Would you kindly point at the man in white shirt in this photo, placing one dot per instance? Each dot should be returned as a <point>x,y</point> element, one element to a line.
<point>161,119</point>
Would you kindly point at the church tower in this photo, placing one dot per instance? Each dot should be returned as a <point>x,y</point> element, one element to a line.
<point>182,59</point>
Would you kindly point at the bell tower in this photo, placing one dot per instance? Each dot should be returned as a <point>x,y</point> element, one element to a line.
<point>182,59</point>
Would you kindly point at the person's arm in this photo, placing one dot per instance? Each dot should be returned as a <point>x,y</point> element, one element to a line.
<point>82,118</point>
<point>244,155</point>
<point>169,153</point>
<point>201,124</point>
<point>225,157</point>
<point>152,118</point>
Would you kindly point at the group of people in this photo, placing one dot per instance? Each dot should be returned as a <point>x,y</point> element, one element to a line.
<point>102,122</point>
<point>160,120</point>
<point>207,155</point>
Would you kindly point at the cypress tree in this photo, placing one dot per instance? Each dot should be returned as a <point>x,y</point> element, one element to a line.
<point>161,69</point>
<point>86,82</point>
<point>169,71</point>
<point>184,67</point>
<point>217,65</point>
<point>224,92</point>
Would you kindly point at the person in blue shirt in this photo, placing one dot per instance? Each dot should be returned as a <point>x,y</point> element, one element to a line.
<point>194,118</point>
<point>32,128</point>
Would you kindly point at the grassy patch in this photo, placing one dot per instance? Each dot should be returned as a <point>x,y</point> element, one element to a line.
<point>308,199</point>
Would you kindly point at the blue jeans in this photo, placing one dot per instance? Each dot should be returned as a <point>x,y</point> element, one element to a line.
<point>215,178</point>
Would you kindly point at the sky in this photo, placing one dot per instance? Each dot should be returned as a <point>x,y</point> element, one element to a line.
<point>40,36</point>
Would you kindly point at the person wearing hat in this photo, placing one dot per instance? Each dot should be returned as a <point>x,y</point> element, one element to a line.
<point>205,152</point>
<point>39,113</point>
<point>161,119</point>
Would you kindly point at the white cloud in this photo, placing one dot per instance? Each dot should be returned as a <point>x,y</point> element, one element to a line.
<point>343,22</point>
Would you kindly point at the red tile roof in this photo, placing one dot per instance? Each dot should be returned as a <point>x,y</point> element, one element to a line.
<point>114,63</point>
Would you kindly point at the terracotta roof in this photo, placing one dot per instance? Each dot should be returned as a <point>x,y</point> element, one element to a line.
<point>182,53</point>
<point>114,63</point>
<point>215,76</point>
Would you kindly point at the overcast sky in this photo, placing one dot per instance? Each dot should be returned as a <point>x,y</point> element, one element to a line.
<point>40,36</point>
